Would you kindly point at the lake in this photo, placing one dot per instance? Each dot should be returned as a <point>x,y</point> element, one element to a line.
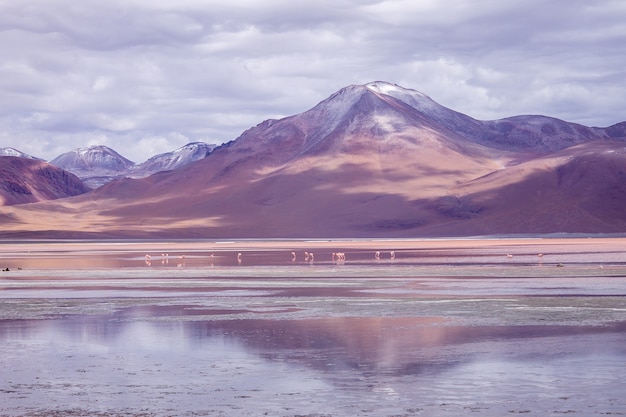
<point>486,327</point>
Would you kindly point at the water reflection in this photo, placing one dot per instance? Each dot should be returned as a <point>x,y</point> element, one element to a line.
<point>268,364</point>
<point>386,344</point>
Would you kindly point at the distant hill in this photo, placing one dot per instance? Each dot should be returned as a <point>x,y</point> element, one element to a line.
<point>28,180</point>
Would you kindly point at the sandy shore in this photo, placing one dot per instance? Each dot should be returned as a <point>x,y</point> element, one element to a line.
<point>9,245</point>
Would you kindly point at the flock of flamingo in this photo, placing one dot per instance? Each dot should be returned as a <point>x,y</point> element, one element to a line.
<point>165,259</point>
<point>335,257</point>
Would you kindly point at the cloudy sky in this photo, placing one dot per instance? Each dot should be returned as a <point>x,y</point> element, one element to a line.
<point>148,76</point>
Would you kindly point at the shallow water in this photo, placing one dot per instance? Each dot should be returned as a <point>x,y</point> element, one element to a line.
<point>434,332</point>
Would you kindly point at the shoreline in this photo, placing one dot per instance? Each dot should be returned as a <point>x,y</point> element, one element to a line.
<point>128,254</point>
<point>408,243</point>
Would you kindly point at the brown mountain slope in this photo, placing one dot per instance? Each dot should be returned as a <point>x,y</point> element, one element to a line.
<point>25,180</point>
<point>580,189</point>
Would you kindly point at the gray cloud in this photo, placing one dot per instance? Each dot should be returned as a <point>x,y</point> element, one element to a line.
<point>148,76</point>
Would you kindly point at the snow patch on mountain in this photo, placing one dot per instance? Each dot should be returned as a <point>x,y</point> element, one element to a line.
<point>413,98</point>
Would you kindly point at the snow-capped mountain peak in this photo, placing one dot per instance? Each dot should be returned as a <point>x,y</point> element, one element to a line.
<point>15,152</point>
<point>94,164</point>
<point>413,98</point>
<point>171,160</point>
<point>98,158</point>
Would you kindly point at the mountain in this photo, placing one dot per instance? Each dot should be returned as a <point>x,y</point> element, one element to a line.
<point>28,180</point>
<point>95,165</point>
<point>374,160</point>
<point>15,152</point>
<point>171,160</point>
<point>98,165</point>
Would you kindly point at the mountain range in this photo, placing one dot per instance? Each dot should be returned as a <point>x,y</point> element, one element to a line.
<point>374,160</point>
<point>97,165</point>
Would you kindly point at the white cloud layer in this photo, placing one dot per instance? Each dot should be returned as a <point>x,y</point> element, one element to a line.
<point>146,77</point>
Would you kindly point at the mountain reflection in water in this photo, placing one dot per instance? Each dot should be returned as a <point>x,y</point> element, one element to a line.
<point>277,365</point>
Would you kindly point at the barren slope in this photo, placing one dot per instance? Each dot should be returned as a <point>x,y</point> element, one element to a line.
<point>24,180</point>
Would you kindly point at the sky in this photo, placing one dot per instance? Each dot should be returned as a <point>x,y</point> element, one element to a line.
<point>148,76</point>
